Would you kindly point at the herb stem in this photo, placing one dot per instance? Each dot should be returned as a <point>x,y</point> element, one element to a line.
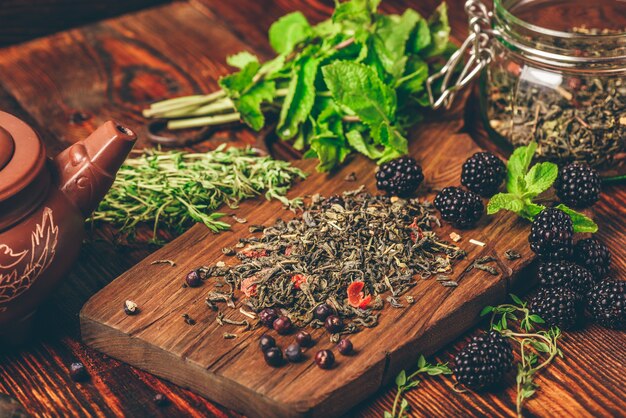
<point>204,121</point>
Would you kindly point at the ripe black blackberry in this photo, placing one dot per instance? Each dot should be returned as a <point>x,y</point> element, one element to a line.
<point>606,303</point>
<point>459,207</point>
<point>483,173</point>
<point>578,185</point>
<point>567,274</point>
<point>594,256</point>
<point>483,361</point>
<point>558,306</point>
<point>399,177</point>
<point>552,235</point>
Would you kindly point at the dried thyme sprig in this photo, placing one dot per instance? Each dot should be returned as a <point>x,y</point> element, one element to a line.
<point>405,383</point>
<point>534,345</point>
<point>174,189</point>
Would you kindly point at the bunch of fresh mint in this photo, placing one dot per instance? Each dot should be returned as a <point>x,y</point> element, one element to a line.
<point>525,183</point>
<point>353,82</point>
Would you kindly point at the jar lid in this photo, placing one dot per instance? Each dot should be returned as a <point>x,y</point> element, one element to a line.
<point>22,155</point>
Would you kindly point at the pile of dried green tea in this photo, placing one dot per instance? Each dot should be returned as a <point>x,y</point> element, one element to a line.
<point>383,243</point>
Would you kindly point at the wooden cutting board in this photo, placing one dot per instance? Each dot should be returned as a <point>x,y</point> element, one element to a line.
<point>233,372</point>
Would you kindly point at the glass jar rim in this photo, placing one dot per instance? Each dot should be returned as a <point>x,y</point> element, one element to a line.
<point>503,11</point>
<point>540,43</point>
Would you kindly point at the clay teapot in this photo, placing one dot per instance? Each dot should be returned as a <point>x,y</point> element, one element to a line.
<point>43,207</point>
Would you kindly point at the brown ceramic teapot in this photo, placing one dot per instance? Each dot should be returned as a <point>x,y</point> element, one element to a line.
<point>43,205</point>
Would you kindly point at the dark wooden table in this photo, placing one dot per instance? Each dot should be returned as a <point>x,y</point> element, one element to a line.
<point>68,83</point>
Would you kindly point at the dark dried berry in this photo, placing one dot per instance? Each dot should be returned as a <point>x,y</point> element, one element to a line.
<point>273,356</point>
<point>293,353</point>
<point>483,361</point>
<point>266,342</point>
<point>267,316</point>
<point>160,400</point>
<point>594,256</point>
<point>78,372</point>
<point>557,306</point>
<point>193,279</point>
<point>282,325</point>
<point>131,308</point>
<point>333,324</point>
<point>345,347</point>
<point>399,177</point>
<point>606,303</point>
<point>578,185</point>
<point>304,339</point>
<point>323,311</point>
<point>335,200</point>
<point>567,274</point>
<point>552,235</point>
<point>459,207</point>
<point>325,359</point>
<point>483,173</point>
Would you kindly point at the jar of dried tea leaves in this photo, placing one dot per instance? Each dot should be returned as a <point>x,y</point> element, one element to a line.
<point>552,71</point>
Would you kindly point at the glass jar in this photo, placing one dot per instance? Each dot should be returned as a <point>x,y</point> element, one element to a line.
<point>553,71</point>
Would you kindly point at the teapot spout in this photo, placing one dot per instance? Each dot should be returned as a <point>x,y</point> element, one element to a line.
<point>86,170</point>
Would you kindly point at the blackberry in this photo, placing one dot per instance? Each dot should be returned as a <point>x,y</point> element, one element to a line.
<point>606,303</point>
<point>558,306</point>
<point>593,255</point>
<point>578,185</point>
<point>483,173</point>
<point>459,207</point>
<point>566,274</point>
<point>552,235</point>
<point>399,177</point>
<point>483,361</point>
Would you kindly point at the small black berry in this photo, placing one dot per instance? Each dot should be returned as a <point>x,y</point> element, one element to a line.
<point>304,339</point>
<point>130,308</point>
<point>193,279</point>
<point>557,306</point>
<point>459,207</point>
<point>399,177</point>
<point>483,173</point>
<point>266,342</point>
<point>333,324</point>
<point>267,316</point>
<point>606,303</point>
<point>282,325</point>
<point>593,255</point>
<point>325,359</point>
<point>578,185</point>
<point>273,356</point>
<point>78,372</point>
<point>552,235</point>
<point>293,352</point>
<point>483,361</point>
<point>323,311</point>
<point>345,347</point>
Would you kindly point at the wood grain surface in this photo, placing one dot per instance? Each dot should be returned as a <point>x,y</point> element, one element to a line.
<point>85,76</point>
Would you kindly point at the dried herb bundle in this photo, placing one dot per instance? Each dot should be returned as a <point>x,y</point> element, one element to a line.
<point>299,264</point>
<point>174,189</point>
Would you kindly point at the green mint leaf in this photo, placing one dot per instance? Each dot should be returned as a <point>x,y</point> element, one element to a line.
<point>358,87</point>
<point>300,98</point>
<point>506,201</point>
<point>330,151</point>
<point>390,137</point>
<point>390,39</point>
<point>414,81</point>
<point>540,178</point>
<point>486,310</point>
<point>388,155</point>
<point>536,319</point>
<point>421,362</point>
<point>237,83</point>
<point>581,222</point>
<point>401,379</point>
<point>531,210</point>
<point>355,13</point>
<point>241,59</point>
<point>288,31</point>
<point>516,299</point>
<point>518,167</point>
<point>387,414</point>
<point>358,142</point>
<point>420,38</point>
<point>439,32</point>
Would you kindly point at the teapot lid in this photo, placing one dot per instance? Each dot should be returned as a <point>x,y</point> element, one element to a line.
<point>22,155</point>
